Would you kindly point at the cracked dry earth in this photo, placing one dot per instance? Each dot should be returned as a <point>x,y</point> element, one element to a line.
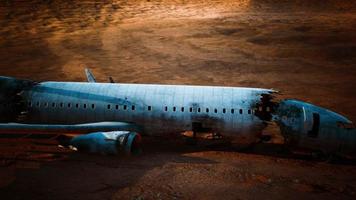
<point>306,49</point>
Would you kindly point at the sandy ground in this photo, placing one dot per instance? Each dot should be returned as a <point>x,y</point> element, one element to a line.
<point>172,170</point>
<point>305,49</point>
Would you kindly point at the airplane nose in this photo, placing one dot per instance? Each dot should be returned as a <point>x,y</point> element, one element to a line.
<point>335,117</point>
<point>311,127</point>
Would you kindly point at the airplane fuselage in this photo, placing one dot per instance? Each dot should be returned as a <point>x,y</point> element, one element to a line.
<point>158,109</point>
<point>100,109</point>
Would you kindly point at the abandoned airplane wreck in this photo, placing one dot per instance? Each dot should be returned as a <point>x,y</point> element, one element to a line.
<point>109,117</point>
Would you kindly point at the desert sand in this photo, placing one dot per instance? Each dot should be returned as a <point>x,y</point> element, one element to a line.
<point>305,49</point>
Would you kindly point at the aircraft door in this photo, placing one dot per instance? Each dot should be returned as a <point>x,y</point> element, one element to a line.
<point>314,131</point>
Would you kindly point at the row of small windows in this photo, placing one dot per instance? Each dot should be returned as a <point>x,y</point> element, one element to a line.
<point>61,105</point>
<point>207,110</point>
<point>149,108</point>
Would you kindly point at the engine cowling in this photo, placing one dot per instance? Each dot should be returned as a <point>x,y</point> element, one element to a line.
<point>113,142</point>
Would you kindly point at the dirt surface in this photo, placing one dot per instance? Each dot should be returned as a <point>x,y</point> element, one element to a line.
<point>172,170</point>
<point>305,49</point>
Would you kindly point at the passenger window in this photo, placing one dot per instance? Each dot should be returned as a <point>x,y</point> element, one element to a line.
<point>240,111</point>
<point>232,111</point>
<point>84,105</point>
<point>92,106</point>
<point>182,109</point>
<point>53,105</point>
<point>45,104</point>
<point>215,110</point>
<point>132,107</point>
<point>249,111</point>
<point>149,108</point>
<point>109,106</point>
<point>224,110</point>
<point>198,109</point>
<point>69,105</point>
<point>61,105</point>
<point>174,109</point>
<point>190,109</point>
<point>166,108</point>
<point>117,107</point>
<point>125,107</point>
<point>77,105</point>
<point>207,110</point>
<point>268,109</point>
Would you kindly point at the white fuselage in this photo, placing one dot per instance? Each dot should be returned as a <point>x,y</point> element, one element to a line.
<point>158,109</point>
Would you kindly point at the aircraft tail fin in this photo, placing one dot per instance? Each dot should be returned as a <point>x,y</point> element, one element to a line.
<point>90,76</point>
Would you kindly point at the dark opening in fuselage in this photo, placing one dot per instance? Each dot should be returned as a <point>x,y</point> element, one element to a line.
<point>315,129</point>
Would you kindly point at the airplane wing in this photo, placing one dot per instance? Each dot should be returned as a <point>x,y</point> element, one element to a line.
<point>57,129</point>
<point>101,137</point>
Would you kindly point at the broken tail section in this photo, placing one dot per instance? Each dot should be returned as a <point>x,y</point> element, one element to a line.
<point>12,105</point>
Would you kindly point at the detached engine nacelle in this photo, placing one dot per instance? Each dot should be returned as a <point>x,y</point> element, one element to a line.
<point>113,142</point>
